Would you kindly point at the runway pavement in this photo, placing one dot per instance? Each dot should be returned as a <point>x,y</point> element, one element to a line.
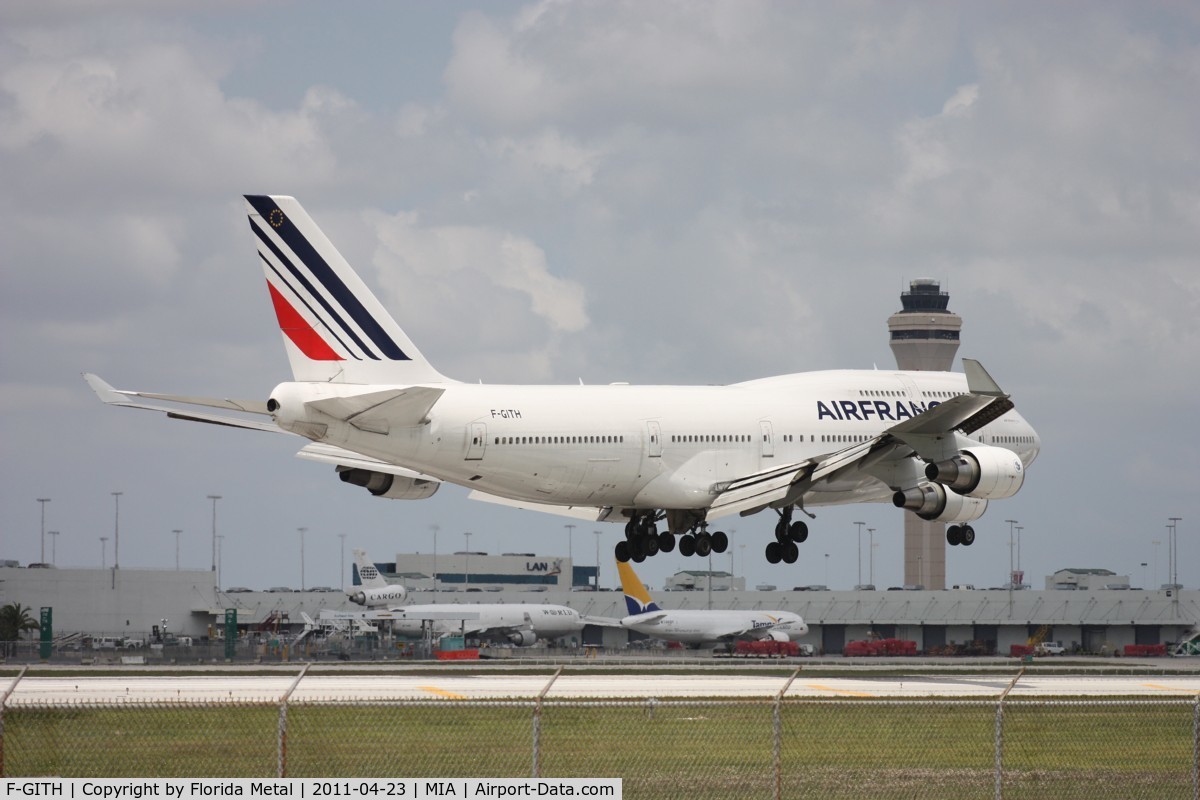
<point>150,688</point>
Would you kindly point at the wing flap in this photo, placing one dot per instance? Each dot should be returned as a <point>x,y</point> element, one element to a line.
<point>758,490</point>
<point>590,513</point>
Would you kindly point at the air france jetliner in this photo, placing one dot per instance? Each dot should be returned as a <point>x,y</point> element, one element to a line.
<point>696,627</point>
<point>941,444</point>
<point>515,623</point>
<point>375,590</point>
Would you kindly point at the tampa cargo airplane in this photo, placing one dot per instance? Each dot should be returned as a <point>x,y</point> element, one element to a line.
<point>939,443</point>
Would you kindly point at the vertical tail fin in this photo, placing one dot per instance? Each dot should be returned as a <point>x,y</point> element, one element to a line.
<point>334,328</point>
<point>368,575</point>
<point>637,598</point>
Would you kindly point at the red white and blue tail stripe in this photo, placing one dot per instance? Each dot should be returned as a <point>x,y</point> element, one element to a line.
<point>334,328</point>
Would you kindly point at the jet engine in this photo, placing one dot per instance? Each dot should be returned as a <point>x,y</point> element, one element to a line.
<point>778,636</point>
<point>383,484</point>
<point>377,597</point>
<point>522,638</point>
<point>933,501</point>
<point>988,472</point>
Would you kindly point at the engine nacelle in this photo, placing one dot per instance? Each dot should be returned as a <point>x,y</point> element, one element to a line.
<point>934,502</point>
<point>778,636</point>
<point>379,597</point>
<point>989,472</point>
<point>384,484</point>
<point>522,638</point>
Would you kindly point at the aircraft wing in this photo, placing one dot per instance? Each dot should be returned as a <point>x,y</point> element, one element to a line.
<point>590,513</point>
<point>603,622</point>
<point>923,435</point>
<point>118,397</point>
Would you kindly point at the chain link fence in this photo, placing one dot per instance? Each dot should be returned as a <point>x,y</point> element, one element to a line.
<point>781,748</point>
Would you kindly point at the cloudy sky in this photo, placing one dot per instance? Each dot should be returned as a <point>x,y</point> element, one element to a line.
<point>700,192</point>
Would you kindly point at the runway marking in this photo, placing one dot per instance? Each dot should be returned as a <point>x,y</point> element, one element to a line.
<point>1175,689</point>
<point>442,693</point>
<point>821,688</point>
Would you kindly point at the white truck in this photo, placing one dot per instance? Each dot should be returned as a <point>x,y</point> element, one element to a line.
<point>1050,649</point>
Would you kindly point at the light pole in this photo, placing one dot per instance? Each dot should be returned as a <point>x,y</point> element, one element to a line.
<point>1019,529</point>
<point>214,498</point>
<point>220,558</point>
<point>117,530</point>
<point>1156,543</point>
<point>1011,524</point>
<point>177,531</point>
<point>53,546</point>
<point>467,570</point>
<point>827,570</point>
<point>103,552</point>
<point>871,555</point>
<point>43,501</point>
<point>435,529</point>
<point>1145,577</point>
<point>860,527</point>
<point>570,556</point>
<point>342,572</point>
<point>1174,552</point>
<point>597,559</point>
<point>302,530</point>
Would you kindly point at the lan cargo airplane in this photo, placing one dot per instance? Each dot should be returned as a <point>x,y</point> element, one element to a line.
<point>941,444</point>
<point>520,624</point>
<point>697,627</point>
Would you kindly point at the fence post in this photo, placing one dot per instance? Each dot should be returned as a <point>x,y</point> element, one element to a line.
<point>777,735</point>
<point>281,753</point>
<point>1195,748</point>
<point>3,704</point>
<point>537,724</point>
<point>1000,734</point>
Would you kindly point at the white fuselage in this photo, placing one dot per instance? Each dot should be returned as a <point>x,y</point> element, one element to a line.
<point>645,446</point>
<point>546,621</point>
<point>698,627</point>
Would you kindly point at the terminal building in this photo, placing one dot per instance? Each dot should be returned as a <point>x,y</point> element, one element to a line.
<point>1100,614</point>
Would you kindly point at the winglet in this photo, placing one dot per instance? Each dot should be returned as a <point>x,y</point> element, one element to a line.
<point>979,381</point>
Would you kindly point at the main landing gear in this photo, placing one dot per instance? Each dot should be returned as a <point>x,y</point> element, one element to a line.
<point>960,534</point>
<point>642,540</point>
<point>788,534</point>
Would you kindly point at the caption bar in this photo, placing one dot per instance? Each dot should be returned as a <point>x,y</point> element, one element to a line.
<point>310,788</point>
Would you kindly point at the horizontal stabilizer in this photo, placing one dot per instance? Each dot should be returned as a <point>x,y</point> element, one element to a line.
<point>379,412</point>
<point>118,397</point>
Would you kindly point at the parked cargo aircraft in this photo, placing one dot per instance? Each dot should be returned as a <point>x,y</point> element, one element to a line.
<point>695,626</point>
<point>521,624</point>
<point>939,443</point>
<point>375,590</point>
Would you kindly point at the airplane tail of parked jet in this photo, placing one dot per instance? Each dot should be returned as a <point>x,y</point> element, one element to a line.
<point>334,329</point>
<point>637,597</point>
<point>373,589</point>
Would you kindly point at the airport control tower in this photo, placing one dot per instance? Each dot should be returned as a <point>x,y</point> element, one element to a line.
<point>924,336</point>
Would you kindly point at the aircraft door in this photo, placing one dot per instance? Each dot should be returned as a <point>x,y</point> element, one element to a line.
<point>768,438</point>
<point>653,440</point>
<point>476,441</point>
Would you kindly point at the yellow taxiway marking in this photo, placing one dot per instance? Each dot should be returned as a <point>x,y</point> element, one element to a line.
<point>821,688</point>
<point>442,693</point>
<point>1177,689</point>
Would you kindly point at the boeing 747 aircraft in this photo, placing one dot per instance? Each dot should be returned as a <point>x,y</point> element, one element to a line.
<point>696,627</point>
<point>939,443</point>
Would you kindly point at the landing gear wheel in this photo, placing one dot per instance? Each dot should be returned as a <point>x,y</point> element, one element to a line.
<point>650,545</point>
<point>954,536</point>
<point>622,552</point>
<point>968,535</point>
<point>790,552</point>
<point>798,531</point>
<point>631,529</point>
<point>687,545</point>
<point>781,530</point>
<point>638,556</point>
<point>666,542</point>
<point>774,553</point>
<point>720,542</point>
<point>703,544</point>
<point>646,526</point>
